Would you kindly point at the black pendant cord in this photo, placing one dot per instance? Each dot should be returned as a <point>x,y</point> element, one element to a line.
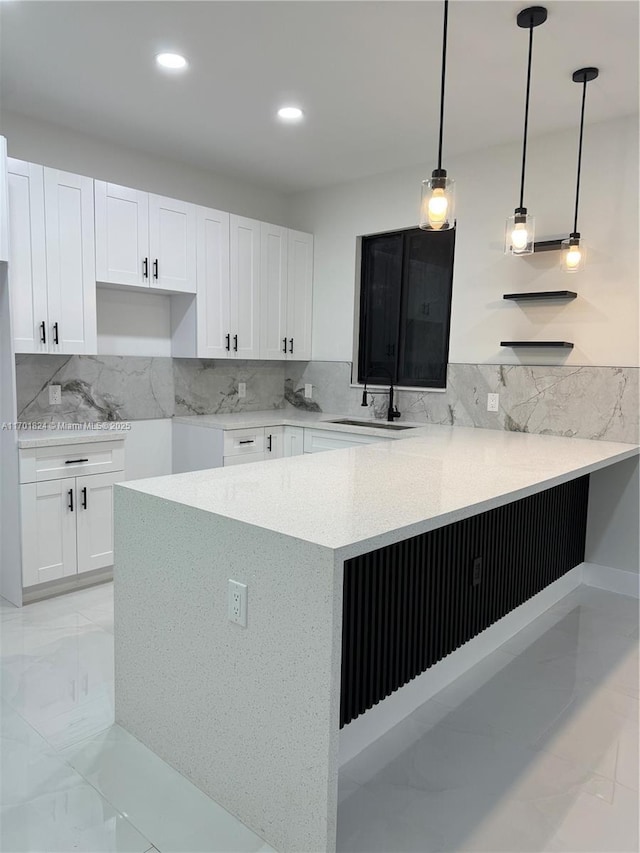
<point>584,97</point>
<point>442,79</point>
<point>526,117</point>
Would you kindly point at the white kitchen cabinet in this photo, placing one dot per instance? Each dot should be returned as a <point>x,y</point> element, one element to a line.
<point>213,317</point>
<point>48,531</point>
<point>319,440</point>
<point>244,301</point>
<point>67,521</point>
<point>51,265</point>
<point>273,291</point>
<point>299,295</point>
<point>293,441</point>
<point>144,240</point>
<point>274,442</point>
<point>4,202</point>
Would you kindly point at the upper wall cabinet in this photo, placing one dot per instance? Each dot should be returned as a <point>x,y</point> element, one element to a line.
<point>286,293</point>
<point>213,318</point>
<point>244,301</point>
<point>51,260</point>
<point>4,202</point>
<point>144,240</point>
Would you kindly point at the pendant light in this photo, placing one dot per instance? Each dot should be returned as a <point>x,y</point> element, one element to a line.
<point>573,253</point>
<point>520,228</point>
<point>438,192</point>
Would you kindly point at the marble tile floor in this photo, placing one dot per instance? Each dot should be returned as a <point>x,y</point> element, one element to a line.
<point>536,749</point>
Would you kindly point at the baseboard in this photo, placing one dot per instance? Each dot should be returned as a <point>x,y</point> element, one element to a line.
<point>367,728</point>
<point>64,585</point>
<point>613,580</point>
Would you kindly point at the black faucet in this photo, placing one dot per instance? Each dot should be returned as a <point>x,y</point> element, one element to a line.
<point>392,411</point>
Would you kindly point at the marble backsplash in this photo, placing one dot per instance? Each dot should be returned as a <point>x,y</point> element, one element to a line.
<point>588,402</point>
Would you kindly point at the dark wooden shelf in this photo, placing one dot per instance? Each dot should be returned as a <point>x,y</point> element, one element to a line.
<point>548,245</point>
<point>543,294</point>
<point>556,344</point>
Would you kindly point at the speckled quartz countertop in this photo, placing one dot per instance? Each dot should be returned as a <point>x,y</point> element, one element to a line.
<point>54,437</point>
<point>361,498</point>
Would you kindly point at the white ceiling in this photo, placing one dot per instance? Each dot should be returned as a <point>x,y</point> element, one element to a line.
<point>366,74</point>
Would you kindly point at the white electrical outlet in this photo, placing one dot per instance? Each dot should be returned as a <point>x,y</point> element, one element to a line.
<point>493,402</point>
<point>55,395</point>
<point>242,389</point>
<point>308,390</point>
<point>237,603</point>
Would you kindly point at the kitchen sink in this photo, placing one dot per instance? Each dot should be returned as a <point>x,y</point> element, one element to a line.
<point>373,425</point>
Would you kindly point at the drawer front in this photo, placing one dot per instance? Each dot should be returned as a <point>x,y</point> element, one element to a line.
<point>244,458</point>
<point>239,442</point>
<point>315,441</point>
<point>38,464</point>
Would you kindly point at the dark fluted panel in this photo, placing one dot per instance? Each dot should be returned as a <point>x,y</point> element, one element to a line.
<point>409,605</point>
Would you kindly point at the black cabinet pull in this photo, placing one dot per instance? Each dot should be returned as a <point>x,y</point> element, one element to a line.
<point>73,461</point>
<point>246,441</point>
<point>284,345</point>
<point>70,504</point>
<point>291,345</point>
<point>228,346</point>
<point>235,343</point>
<point>155,268</point>
<point>55,333</point>
<point>269,444</point>
<point>84,497</point>
<point>43,333</point>
<point>145,268</point>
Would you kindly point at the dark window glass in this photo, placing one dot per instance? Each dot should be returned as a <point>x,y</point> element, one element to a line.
<point>405,307</point>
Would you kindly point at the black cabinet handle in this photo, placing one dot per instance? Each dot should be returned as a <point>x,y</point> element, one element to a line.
<point>84,497</point>
<point>43,333</point>
<point>235,343</point>
<point>70,504</point>
<point>247,441</point>
<point>291,345</point>
<point>269,444</point>
<point>284,345</point>
<point>73,461</point>
<point>145,268</point>
<point>228,346</point>
<point>155,268</point>
<point>55,333</point>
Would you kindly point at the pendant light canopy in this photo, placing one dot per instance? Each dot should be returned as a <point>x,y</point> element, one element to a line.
<point>438,192</point>
<point>520,230</point>
<point>573,254</point>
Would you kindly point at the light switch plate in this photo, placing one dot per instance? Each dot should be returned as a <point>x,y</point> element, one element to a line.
<point>55,395</point>
<point>242,389</point>
<point>308,390</point>
<point>493,402</point>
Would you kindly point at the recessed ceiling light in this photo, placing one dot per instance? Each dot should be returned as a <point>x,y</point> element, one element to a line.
<point>173,61</point>
<point>290,113</point>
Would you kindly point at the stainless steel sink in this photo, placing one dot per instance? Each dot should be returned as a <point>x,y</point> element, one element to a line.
<point>372,424</point>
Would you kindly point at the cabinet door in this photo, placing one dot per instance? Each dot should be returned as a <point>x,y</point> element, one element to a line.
<point>274,442</point>
<point>94,496</point>
<point>293,441</point>
<point>4,202</point>
<point>71,275</point>
<point>122,235</point>
<point>273,291</point>
<point>213,321</point>
<point>245,287</point>
<point>27,257</point>
<point>172,244</point>
<point>48,530</point>
<point>299,296</point>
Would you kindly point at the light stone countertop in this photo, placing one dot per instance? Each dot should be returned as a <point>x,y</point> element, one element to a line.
<point>54,437</point>
<point>361,498</point>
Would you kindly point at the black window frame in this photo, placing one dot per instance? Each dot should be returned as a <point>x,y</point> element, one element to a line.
<point>397,379</point>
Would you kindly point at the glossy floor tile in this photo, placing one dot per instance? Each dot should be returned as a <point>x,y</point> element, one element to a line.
<point>534,750</point>
<point>70,780</point>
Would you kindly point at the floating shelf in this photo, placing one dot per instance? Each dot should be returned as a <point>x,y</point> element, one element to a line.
<point>542,294</point>
<point>548,245</point>
<point>556,344</point>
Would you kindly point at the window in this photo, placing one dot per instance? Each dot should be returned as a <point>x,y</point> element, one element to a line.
<point>405,307</point>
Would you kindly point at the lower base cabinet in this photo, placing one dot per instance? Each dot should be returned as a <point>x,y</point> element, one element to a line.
<point>67,524</point>
<point>252,445</point>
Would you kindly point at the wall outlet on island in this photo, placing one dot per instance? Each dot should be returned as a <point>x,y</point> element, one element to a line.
<point>237,603</point>
<point>242,389</point>
<point>493,402</point>
<point>308,390</point>
<point>55,395</point>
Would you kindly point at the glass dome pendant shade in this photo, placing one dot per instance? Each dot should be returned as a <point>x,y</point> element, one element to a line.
<point>437,205</point>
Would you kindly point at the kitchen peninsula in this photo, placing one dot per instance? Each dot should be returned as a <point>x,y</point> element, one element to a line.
<point>364,568</point>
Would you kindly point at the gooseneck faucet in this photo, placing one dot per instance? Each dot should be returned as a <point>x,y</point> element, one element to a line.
<point>392,411</point>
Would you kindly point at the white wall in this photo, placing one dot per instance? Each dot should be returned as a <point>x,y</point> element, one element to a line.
<point>147,449</point>
<point>53,145</point>
<point>602,322</point>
